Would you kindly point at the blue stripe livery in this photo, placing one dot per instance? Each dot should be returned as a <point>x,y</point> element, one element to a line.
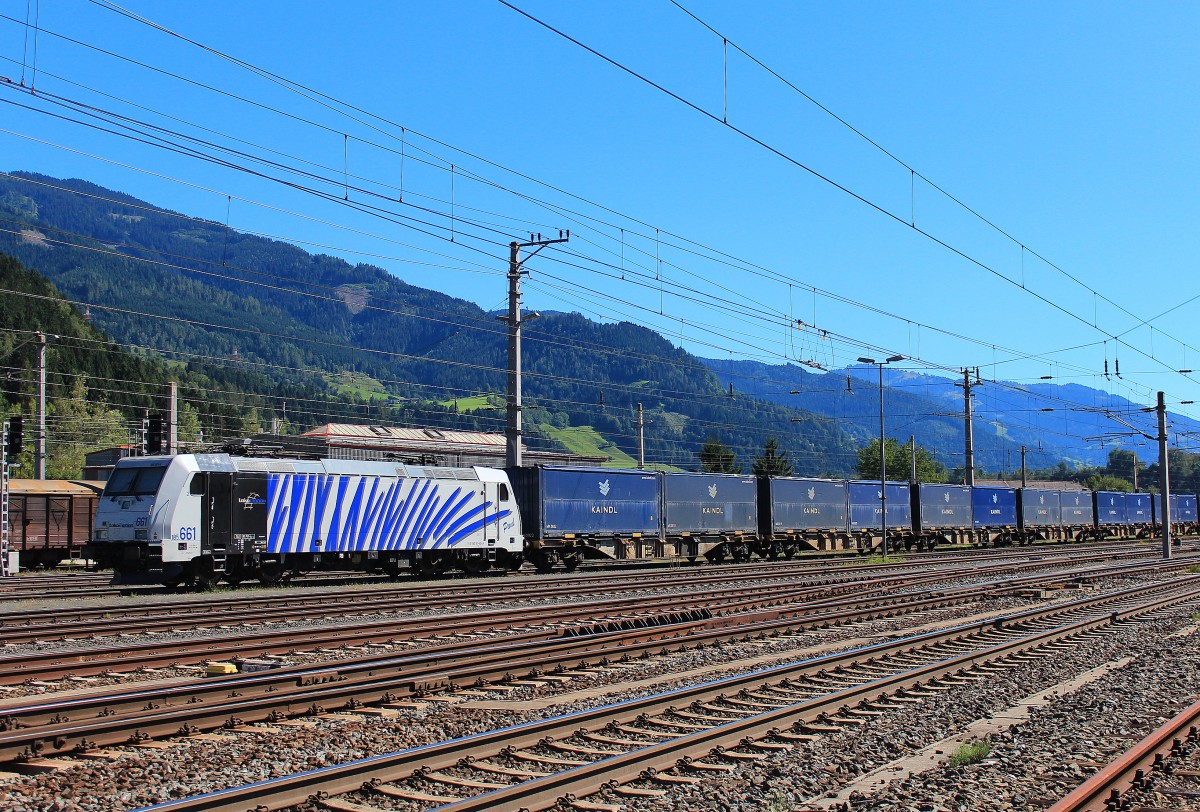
<point>348,513</point>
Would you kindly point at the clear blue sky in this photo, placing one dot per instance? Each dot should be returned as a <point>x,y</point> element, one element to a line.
<point>1071,126</point>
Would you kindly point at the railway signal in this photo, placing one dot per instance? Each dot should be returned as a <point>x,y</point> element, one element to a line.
<point>14,441</point>
<point>154,434</point>
<point>12,445</point>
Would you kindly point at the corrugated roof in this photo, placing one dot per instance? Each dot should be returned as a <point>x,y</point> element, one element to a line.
<point>53,487</point>
<point>333,431</point>
<point>1041,484</point>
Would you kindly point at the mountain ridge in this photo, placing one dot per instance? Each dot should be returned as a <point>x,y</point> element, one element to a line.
<point>172,284</point>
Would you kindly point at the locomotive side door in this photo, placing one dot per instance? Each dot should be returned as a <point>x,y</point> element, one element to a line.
<point>216,517</point>
<point>491,530</point>
<point>249,513</point>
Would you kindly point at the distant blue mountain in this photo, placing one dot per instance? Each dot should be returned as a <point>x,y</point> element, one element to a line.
<point>1007,415</point>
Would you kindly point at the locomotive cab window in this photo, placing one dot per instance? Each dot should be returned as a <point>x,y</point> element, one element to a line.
<point>196,485</point>
<point>135,480</point>
<point>503,492</point>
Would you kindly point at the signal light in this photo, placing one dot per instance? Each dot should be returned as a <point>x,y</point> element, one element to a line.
<point>14,441</point>
<point>154,434</point>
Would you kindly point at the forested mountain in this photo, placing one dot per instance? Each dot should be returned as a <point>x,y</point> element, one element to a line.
<point>273,318</point>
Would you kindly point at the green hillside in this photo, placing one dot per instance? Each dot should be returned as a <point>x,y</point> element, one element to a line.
<point>166,284</point>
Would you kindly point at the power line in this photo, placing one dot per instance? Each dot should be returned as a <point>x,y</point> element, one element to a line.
<point>884,313</point>
<point>780,153</point>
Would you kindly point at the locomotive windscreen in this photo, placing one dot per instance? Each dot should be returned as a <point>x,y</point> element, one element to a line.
<point>135,480</point>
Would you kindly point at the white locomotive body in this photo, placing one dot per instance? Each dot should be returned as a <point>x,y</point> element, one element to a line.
<point>204,517</point>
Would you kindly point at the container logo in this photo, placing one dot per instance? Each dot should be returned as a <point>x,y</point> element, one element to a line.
<point>605,488</point>
<point>946,497</point>
<point>1041,500</point>
<point>712,491</point>
<point>812,494</point>
<point>995,498</point>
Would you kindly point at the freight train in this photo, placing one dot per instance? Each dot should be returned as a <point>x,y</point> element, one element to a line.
<point>50,520</point>
<point>200,518</point>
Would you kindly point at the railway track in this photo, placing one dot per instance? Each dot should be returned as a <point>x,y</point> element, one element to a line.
<point>60,586</point>
<point>239,642</point>
<point>639,746</point>
<point>59,725</point>
<point>42,625</point>
<point>1143,770</point>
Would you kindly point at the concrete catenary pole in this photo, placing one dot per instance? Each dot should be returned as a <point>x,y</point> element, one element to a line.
<point>1164,477</point>
<point>39,462</point>
<point>173,429</point>
<point>641,421</point>
<point>513,431</point>
<point>968,431</point>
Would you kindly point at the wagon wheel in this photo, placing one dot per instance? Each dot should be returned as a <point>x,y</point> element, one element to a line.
<point>571,561</point>
<point>544,560</point>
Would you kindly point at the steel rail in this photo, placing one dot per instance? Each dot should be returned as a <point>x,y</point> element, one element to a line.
<point>99,660</point>
<point>98,622</point>
<point>113,718</point>
<point>50,665</point>
<point>454,587</point>
<point>541,792</point>
<point>649,613</point>
<point>1102,792</point>
<point>47,728</point>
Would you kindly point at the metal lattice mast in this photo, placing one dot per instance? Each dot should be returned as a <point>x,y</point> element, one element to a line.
<point>4,540</point>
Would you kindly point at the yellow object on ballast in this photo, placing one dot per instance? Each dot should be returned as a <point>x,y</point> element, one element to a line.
<point>221,669</point>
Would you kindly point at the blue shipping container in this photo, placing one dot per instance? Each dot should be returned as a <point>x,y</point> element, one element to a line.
<point>942,506</point>
<point>593,501</point>
<point>710,503</point>
<point>864,506</point>
<point>1138,509</point>
<point>1183,507</point>
<point>994,506</point>
<point>1040,508</point>
<point>1076,508</point>
<point>808,504</point>
<point>1110,508</point>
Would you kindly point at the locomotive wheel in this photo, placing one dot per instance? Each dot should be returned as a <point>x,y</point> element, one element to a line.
<point>204,583</point>
<point>271,573</point>
<point>430,567</point>
<point>476,566</point>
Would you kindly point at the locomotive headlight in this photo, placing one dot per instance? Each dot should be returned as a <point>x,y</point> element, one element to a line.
<point>141,535</point>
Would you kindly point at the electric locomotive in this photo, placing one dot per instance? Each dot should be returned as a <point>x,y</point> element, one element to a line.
<point>199,518</point>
